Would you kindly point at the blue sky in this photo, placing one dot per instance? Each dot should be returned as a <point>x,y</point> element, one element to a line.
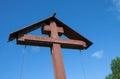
<point>97,20</point>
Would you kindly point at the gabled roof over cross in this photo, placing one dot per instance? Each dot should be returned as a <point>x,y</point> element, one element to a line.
<point>70,33</point>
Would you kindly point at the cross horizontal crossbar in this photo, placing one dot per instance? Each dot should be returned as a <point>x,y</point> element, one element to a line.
<point>48,41</point>
<point>47,29</point>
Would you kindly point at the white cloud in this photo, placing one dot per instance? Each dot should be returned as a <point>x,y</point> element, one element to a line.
<point>98,54</point>
<point>114,7</point>
<point>36,49</point>
<point>116,4</point>
<point>118,17</point>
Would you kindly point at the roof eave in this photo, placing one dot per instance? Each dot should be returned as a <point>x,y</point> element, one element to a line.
<point>28,29</point>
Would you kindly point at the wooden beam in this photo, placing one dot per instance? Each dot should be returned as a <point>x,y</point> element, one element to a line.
<point>47,29</point>
<point>48,41</point>
<point>58,62</point>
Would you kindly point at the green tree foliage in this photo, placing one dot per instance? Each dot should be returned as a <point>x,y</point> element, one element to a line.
<point>110,76</point>
<point>115,67</point>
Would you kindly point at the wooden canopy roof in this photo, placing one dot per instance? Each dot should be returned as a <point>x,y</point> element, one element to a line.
<point>70,33</point>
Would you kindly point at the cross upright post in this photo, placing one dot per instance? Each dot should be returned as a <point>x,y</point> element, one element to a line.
<point>56,51</point>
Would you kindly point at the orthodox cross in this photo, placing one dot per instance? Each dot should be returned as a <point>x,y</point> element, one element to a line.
<point>54,28</point>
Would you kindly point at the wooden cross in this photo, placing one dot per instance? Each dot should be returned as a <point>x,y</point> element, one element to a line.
<point>56,51</point>
<point>52,41</point>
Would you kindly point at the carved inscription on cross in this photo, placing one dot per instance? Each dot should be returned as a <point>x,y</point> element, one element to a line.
<point>56,50</point>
